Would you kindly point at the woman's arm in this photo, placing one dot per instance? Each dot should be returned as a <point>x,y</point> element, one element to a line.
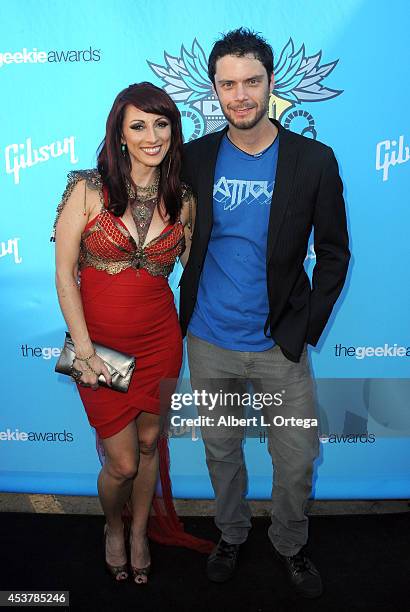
<point>188,214</point>
<point>71,223</point>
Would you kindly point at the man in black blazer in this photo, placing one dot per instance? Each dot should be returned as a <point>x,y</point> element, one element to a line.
<point>246,300</point>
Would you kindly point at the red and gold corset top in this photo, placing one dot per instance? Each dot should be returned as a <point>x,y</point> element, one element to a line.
<point>107,245</point>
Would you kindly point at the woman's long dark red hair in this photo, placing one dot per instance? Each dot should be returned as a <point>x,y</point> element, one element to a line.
<point>115,167</point>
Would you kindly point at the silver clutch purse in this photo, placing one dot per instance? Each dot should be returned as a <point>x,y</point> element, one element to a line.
<point>120,365</point>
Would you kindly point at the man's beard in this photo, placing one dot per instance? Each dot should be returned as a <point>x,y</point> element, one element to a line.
<point>247,124</point>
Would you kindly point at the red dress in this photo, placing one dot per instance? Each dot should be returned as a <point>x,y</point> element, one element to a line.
<point>131,309</point>
<point>129,306</point>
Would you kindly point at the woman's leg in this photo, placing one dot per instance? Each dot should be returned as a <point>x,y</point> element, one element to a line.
<point>144,486</point>
<point>115,483</point>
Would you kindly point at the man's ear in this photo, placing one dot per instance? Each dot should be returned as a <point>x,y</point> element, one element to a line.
<point>272,83</point>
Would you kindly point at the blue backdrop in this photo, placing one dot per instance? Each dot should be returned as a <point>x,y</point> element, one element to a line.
<point>341,78</point>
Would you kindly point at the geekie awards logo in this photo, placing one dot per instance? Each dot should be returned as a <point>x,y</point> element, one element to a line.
<point>334,438</point>
<point>365,352</point>
<point>16,435</point>
<point>299,79</point>
<point>46,352</point>
<point>54,56</point>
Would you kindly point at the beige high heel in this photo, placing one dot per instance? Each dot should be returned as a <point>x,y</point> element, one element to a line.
<point>139,574</point>
<point>118,572</point>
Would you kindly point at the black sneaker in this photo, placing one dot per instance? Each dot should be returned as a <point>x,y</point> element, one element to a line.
<point>222,561</point>
<point>302,574</point>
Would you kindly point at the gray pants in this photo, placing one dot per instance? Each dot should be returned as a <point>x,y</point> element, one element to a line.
<point>292,448</point>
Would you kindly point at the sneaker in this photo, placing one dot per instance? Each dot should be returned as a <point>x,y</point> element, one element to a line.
<point>302,574</point>
<point>222,561</point>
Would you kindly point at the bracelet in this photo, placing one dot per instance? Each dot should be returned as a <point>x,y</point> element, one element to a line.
<point>89,368</point>
<point>85,358</point>
<point>92,370</point>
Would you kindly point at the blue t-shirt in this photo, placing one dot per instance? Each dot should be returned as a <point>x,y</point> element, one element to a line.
<point>232,303</point>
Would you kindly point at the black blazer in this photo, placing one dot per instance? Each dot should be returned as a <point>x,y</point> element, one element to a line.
<point>308,192</point>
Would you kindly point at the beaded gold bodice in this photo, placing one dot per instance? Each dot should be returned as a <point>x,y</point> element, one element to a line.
<point>107,245</point>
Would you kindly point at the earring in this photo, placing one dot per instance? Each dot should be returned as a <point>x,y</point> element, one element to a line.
<point>123,148</point>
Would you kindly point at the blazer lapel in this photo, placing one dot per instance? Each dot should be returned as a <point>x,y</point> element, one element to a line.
<point>287,160</point>
<point>206,185</point>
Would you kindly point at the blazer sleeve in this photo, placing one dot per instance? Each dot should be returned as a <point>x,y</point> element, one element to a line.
<point>331,244</point>
<point>188,174</point>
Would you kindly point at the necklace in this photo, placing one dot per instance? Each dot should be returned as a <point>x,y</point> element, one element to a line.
<point>142,206</point>
<point>143,193</point>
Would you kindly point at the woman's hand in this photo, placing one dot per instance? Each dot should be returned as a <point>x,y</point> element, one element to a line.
<point>90,370</point>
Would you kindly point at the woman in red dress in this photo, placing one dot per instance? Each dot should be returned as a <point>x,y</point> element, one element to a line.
<point>122,226</point>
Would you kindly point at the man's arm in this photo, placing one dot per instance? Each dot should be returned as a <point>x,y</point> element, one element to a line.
<point>188,175</point>
<point>331,247</point>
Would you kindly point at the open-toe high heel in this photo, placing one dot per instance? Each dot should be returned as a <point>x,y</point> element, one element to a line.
<point>118,572</point>
<point>139,574</point>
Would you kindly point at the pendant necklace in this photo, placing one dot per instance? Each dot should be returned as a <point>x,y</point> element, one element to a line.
<point>142,206</point>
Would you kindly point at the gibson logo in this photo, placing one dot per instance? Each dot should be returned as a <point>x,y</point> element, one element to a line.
<point>389,153</point>
<point>21,156</point>
<point>11,247</point>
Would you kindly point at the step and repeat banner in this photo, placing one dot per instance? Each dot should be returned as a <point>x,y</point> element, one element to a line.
<point>341,77</point>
